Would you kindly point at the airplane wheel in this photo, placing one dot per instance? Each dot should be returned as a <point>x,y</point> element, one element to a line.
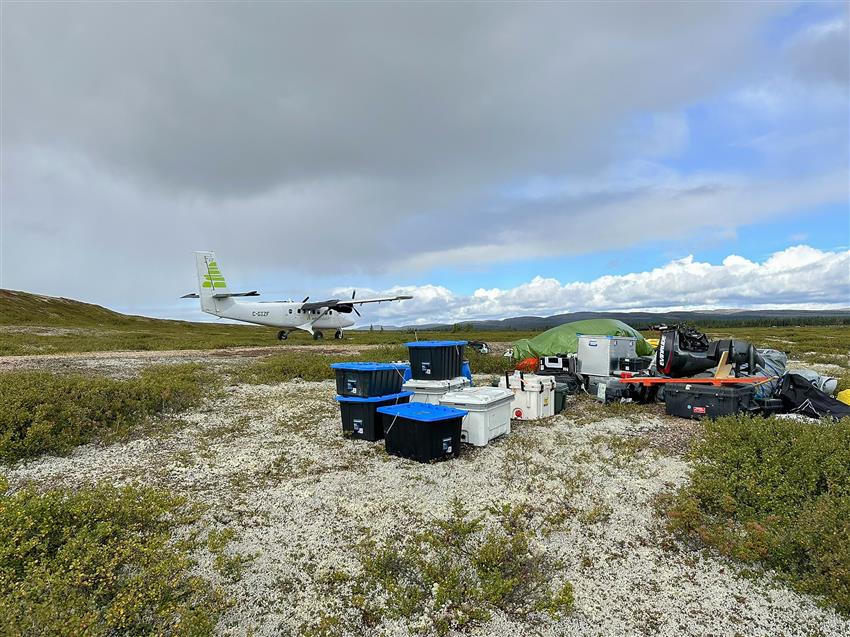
<point>317,336</point>
<point>281,335</point>
<point>338,335</point>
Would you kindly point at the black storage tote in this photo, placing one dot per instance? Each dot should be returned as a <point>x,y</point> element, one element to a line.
<point>421,431</point>
<point>366,380</point>
<point>708,401</point>
<point>436,360</point>
<point>633,364</point>
<point>359,415</point>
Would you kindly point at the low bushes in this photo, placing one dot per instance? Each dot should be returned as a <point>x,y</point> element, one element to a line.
<point>308,365</point>
<point>451,576</point>
<point>776,492</point>
<point>99,561</point>
<point>42,412</point>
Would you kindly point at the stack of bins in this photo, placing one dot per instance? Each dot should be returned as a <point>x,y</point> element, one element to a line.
<point>436,368</point>
<point>361,389</point>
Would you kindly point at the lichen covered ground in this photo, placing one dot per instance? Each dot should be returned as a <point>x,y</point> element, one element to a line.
<point>271,463</point>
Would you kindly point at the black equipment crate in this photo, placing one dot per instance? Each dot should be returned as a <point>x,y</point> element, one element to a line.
<point>770,406</point>
<point>367,380</point>
<point>633,364</point>
<point>436,360</point>
<point>360,417</point>
<point>421,431</point>
<point>708,401</point>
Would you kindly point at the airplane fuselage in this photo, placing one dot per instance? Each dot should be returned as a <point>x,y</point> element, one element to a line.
<point>281,314</point>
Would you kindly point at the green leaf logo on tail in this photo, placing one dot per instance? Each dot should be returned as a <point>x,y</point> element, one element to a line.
<point>214,278</point>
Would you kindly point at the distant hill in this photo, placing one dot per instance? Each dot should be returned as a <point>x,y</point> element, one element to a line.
<point>24,308</point>
<point>642,320</point>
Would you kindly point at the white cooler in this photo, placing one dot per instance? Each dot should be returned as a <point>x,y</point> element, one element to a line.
<point>430,391</point>
<point>534,396</point>
<point>489,413</point>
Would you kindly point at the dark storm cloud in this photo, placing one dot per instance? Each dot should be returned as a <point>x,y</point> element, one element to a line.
<point>229,100</point>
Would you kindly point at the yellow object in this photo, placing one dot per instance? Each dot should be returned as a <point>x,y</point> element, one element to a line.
<point>653,342</point>
<point>844,396</point>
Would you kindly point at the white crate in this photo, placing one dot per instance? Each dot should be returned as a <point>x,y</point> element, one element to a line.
<point>489,413</point>
<point>430,391</point>
<point>534,395</point>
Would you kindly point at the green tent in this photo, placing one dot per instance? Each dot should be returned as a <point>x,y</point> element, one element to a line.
<point>564,338</point>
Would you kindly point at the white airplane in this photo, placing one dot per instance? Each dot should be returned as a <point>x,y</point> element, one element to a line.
<point>312,317</point>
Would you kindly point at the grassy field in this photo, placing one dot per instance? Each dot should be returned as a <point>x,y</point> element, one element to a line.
<point>32,324</point>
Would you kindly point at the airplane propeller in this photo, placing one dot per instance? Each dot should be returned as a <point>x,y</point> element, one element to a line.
<point>306,298</point>
<point>353,294</point>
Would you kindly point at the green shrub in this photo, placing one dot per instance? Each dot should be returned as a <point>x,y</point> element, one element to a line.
<point>777,492</point>
<point>42,412</point>
<point>99,561</point>
<point>452,576</point>
<point>307,365</point>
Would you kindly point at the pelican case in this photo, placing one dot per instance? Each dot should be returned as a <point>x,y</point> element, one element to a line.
<point>708,401</point>
<point>360,417</point>
<point>367,380</point>
<point>422,431</point>
<point>436,360</point>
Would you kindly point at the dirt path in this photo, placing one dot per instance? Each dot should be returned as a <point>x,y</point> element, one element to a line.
<point>140,358</point>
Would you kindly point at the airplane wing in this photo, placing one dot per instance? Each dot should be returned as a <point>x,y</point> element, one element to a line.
<point>194,295</point>
<point>344,305</point>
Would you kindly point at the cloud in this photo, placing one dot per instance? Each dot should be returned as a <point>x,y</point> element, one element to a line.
<point>799,277</point>
<point>319,143</point>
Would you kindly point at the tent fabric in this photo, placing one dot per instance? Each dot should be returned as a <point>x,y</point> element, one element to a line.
<point>563,339</point>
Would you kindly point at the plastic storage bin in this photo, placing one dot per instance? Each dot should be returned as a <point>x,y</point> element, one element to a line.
<point>430,391</point>
<point>489,413</point>
<point>421,431</point>
<point>436,360</point>
<point>366,380</point>
<point>360,417</point>
<point>708,401</point>
<point>534,395</point>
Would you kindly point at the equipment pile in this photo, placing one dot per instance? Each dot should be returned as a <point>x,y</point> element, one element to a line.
<point>693,376</point>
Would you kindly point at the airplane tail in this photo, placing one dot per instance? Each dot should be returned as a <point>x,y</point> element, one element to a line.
<point>211,281</point>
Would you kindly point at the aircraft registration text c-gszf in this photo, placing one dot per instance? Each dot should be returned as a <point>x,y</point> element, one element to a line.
<point>313,317</point>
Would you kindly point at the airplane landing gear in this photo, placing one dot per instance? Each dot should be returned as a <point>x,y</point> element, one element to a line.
<point>338,335</point>
<point>317,336</point>
<point>282,335</point>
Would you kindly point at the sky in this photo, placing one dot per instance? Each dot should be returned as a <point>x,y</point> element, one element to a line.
<point>492,160</point>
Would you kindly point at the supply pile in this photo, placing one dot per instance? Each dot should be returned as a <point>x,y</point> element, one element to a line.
<point>425,408</point>
<point>693,376</point>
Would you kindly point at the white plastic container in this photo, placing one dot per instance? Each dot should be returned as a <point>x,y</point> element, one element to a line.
<point>534,395</point>
<point>430,391</point>
<point>489,413</point>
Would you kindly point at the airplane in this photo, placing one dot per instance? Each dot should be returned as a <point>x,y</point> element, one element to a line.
<point>312,317</point>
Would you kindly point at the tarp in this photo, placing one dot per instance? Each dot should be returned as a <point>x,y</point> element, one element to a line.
<point>564,338</point>
<point>799,396</point>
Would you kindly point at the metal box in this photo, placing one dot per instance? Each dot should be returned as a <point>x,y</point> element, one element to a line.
<point>599,354</point>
